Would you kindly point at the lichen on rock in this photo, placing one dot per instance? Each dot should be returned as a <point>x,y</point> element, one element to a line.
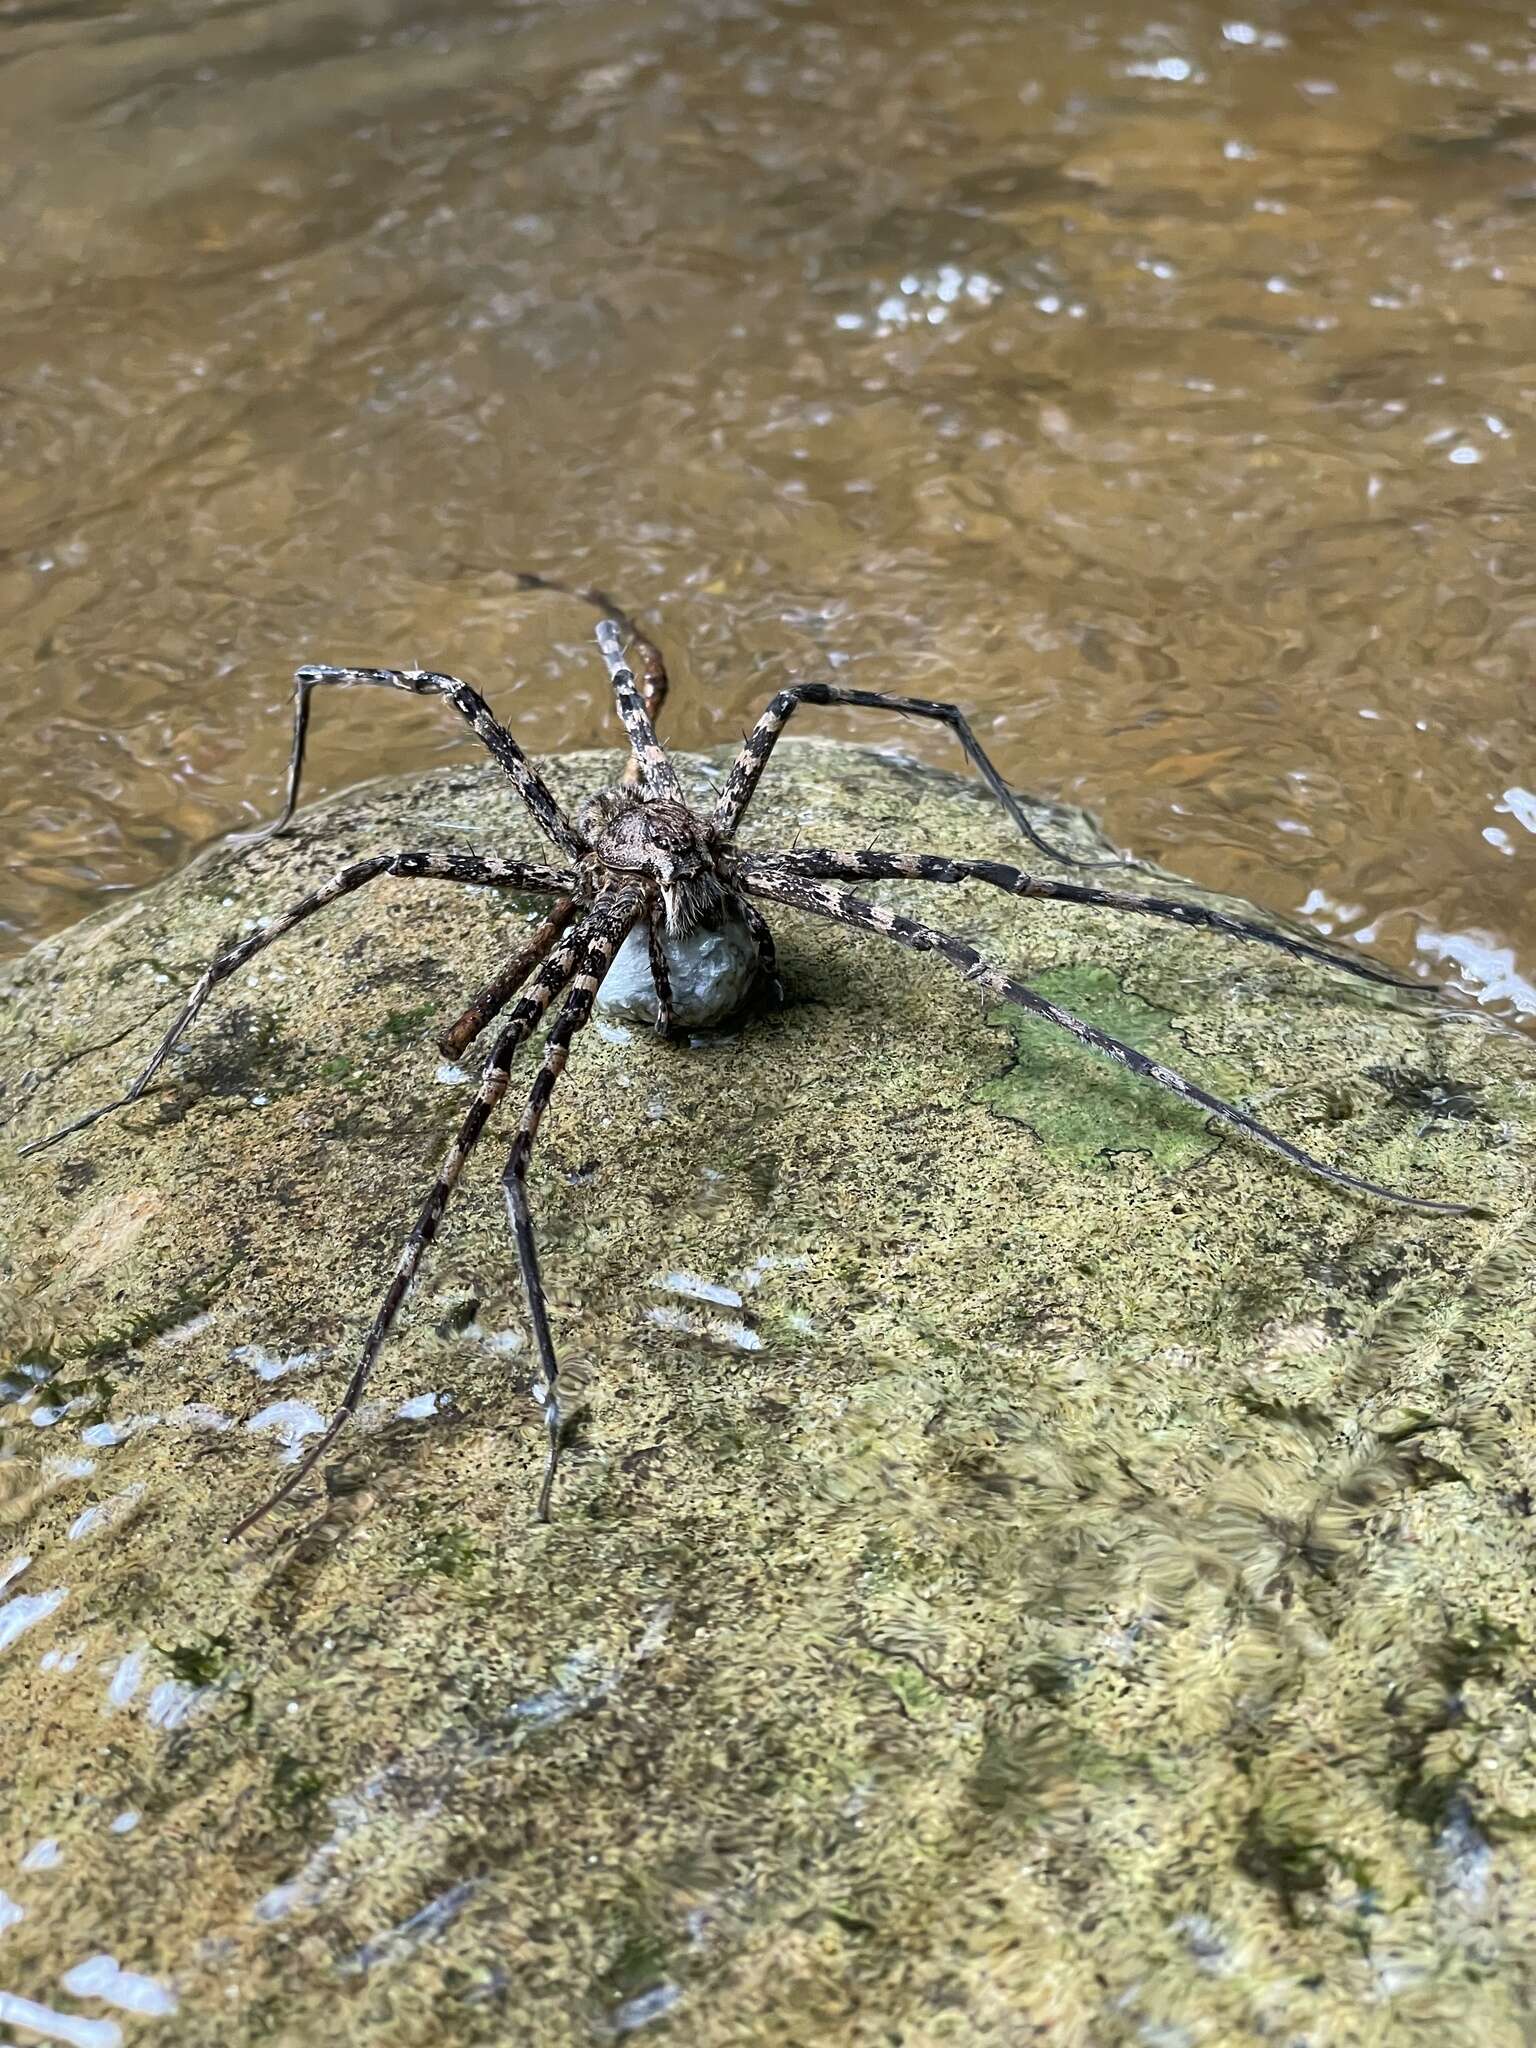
<point>1029,1567</point>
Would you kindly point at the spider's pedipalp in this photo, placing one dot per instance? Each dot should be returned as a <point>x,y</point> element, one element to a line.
<point>759,744</point>
<point>603,933</point>
<point>469,704</point>
<point>661,974</point>
<point>821,899</point>
<point>661,842</point>
<point>553,977</point>
<point>437,867</point>
<point>827,865</point>
<point>767,952</point>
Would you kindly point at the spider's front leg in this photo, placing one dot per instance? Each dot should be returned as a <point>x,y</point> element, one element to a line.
<point>661,974</point>
<point>553,977</point>
<point>767,953</point>
<point>471,707</point>
<point>505,983</point>
<point>759,744</point>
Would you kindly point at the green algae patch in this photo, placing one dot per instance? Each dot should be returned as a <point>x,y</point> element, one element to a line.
<point>1079,1104</point>
<point>1023,1570</point>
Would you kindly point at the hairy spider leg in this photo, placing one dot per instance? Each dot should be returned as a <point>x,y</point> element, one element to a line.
<point>822,900</point>
<point>827,865</point>
<point>436,867</point>
<point>649,664</point>
<point>470,705</point>
<point>604,932</point>
<point>767,952</point>
<point>759,744</point>
<point>552,979</point>
<point>657,775</point>
<point>505,983</point>
<point>661,974</point>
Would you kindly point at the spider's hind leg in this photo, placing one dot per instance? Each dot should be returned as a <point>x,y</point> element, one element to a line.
<point>821,899</point>
<point>650,664</point>
<point>441,867</point>
<point>648,677</point>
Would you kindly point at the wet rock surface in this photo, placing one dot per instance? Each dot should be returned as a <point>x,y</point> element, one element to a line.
<point>1029,1566</point>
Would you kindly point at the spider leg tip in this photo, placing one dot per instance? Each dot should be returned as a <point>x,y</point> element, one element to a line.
<point>43,1144</point>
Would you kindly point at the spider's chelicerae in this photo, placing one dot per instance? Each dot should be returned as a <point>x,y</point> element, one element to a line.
<point>639,855</point>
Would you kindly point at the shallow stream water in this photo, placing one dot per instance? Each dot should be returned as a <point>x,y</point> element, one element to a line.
<point>1156,380</point>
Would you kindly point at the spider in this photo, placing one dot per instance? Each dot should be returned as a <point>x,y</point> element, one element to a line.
<point>639,855</point>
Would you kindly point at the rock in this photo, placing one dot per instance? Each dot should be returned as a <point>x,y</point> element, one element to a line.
<point>1030,1567</point>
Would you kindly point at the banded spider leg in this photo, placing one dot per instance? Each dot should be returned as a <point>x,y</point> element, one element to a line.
<point>766,879</point>
<point>741,783</point>
<point>440,867</point>
<point>551,981</point>
<point>827,865</point>
<point>470,705</point>
<point>605,930</point>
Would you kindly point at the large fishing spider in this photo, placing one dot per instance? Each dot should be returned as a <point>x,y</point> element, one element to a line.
<point>639,855</point>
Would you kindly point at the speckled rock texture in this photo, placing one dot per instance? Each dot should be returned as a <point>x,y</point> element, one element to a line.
<point>1029,1568</point>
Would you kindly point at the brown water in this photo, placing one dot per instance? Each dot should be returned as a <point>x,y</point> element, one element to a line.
<point>1157,380</point>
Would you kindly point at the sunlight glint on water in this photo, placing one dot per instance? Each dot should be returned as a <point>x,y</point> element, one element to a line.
<point>1157,383</point>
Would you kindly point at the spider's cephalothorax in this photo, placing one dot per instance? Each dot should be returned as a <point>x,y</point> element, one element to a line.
<point>656,840</point>
<point>638,858</point>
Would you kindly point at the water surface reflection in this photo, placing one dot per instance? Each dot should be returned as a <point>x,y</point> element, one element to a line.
<point>1154,379</point>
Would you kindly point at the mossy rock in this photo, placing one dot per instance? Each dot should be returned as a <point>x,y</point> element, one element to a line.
<point>1030,1566</point>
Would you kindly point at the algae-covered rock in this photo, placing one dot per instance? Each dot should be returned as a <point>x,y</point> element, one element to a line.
<point>1030,1566</point>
